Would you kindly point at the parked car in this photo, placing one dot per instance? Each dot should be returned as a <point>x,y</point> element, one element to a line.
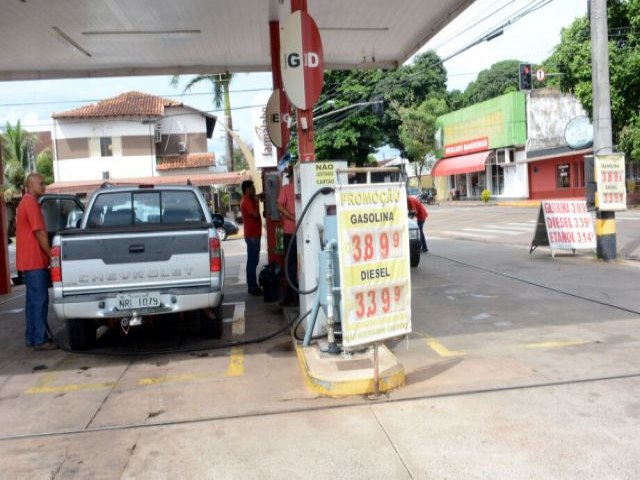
<point>59,212</point>
<point>414,244</point>
<point>228,228</point>
<point>139,252</point>
<point>16,277</point>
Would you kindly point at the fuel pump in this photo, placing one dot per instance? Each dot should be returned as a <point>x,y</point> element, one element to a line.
<point>315,217</point>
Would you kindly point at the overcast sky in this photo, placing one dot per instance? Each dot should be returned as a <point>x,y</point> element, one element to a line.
<point>530,39</point>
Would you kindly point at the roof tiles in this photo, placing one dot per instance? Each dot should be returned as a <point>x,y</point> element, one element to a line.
<point>129,104</point>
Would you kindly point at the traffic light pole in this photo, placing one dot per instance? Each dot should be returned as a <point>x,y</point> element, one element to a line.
<point>602,136</point>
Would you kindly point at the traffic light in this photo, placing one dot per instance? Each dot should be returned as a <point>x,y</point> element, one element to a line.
<point>524,76</point>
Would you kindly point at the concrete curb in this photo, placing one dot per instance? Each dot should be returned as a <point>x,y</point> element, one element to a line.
<point>325,376</point>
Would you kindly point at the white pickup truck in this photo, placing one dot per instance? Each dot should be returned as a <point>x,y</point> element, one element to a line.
<point>139,252</point>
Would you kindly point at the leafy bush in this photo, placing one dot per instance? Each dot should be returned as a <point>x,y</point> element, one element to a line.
<point>485,195</point>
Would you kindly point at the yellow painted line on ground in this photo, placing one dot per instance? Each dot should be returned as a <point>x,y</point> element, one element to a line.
<point>556,344</point>
<point>68,388</point>
<point>236,362</point>
<point>438,347</point>
<point>186,377</point>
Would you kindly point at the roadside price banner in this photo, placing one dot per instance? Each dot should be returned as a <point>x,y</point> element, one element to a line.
<point>612,191</point>
<point>373,241</point>
<point>567,225</point>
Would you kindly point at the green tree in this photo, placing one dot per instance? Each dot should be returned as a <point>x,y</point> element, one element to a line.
<point>500,78</point>
<point>418,128</point>
<point>409,86</point>
<point>344,129</point>
<point>44,165</point>
<point>15,153</point>
<point>220,89</point>
<point>572,58</point>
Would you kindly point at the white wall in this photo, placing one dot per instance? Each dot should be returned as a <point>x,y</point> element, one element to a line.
<point>84,128</point>
<point>91,169</point>
<point>182,120</point>
<point>548,112</point>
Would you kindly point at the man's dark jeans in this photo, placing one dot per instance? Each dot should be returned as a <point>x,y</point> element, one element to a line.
<point>253,258</point>
<point>292,267</point>
<point>37,306</point>
<point>423,240</point>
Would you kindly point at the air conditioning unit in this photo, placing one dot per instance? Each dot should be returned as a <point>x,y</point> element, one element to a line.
<point>505,156</point>
<point>182,147</point>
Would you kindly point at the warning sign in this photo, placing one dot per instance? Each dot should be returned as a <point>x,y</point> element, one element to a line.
<point>374,262</point>
<point>564,225</point>
<point>325,173</point>
<point>612,192</point>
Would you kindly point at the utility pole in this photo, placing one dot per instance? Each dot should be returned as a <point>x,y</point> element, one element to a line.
<point>602,136</point>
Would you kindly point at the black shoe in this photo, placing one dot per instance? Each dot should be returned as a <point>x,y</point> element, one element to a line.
<point>49,345</point>
<point>256,292</point>
<point>424,250</point>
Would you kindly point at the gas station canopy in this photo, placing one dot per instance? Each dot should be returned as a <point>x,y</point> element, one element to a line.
<point>83,38</point>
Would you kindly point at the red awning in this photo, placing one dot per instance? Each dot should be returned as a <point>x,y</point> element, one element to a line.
<point>473,162</point>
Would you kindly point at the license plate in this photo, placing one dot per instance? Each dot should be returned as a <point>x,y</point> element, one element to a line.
<point>132,301</point>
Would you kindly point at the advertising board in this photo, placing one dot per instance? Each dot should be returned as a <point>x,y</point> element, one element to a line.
<point>374,262</point>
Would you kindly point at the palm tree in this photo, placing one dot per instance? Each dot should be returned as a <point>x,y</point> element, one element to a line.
<point>220,89</point>
<point>16,143</point>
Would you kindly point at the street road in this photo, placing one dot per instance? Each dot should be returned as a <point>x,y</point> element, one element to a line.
<point>519,366</point>
<point>515,225</point>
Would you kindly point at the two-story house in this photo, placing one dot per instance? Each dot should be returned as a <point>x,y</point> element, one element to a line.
<point>133,138</point>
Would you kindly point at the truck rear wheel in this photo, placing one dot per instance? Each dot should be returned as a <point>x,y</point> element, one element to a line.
<point>211,322</point>
<point>82,333</point>
<point>414,257</point>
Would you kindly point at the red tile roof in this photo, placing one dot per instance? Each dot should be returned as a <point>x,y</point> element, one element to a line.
<point>187,160</point>
<point>88,186</point>
<point>130,104</point>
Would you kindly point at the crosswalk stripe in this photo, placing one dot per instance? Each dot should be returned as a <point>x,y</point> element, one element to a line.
<point>491,230</point>
<point>468,234</point>
<point>512,228</point>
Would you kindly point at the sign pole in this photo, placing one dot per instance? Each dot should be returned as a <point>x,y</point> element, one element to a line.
<point>376,374</point>
<point>602,136</point>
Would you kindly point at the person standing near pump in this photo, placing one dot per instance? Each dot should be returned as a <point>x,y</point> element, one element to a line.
<point>287,208</point>
<point>414,205</point>
<point>33,254</point>
<point>252,233</point>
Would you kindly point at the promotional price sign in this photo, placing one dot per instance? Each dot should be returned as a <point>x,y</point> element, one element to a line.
<point>373,249</point>
<point>612,192</point>
<point>564,225</point>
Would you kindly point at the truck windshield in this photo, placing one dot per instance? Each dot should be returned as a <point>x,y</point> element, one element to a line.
<point>120,209</point>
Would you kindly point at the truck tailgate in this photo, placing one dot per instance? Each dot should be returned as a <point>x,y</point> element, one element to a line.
<point>110,262</point>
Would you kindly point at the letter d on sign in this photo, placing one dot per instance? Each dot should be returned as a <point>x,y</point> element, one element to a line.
<point>312,59</point>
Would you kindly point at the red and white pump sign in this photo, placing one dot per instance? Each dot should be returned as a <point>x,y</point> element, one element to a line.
<point>302,60</point>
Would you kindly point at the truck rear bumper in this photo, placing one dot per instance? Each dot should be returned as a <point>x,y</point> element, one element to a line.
<point>99,306</point>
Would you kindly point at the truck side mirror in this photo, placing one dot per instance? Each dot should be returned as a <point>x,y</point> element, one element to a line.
<point>217,220</point>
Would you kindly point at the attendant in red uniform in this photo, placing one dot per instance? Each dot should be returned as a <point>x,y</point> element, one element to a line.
<point>32,259</point>
<point>415,206</point>
<point>287,209</point>
<point>252,233</point>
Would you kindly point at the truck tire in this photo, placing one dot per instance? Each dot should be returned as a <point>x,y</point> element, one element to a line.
<point>414,257</point>
<point>82,333</point>
<point>211,325</point>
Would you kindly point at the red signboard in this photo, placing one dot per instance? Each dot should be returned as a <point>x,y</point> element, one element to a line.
<point>468,146</point>
<point>302,60</point>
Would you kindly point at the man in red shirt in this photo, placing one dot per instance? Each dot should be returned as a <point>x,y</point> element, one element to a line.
<point>287,209</point>
<point>414,205</point>
<point>32,259</point>
<point>252,233</point>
